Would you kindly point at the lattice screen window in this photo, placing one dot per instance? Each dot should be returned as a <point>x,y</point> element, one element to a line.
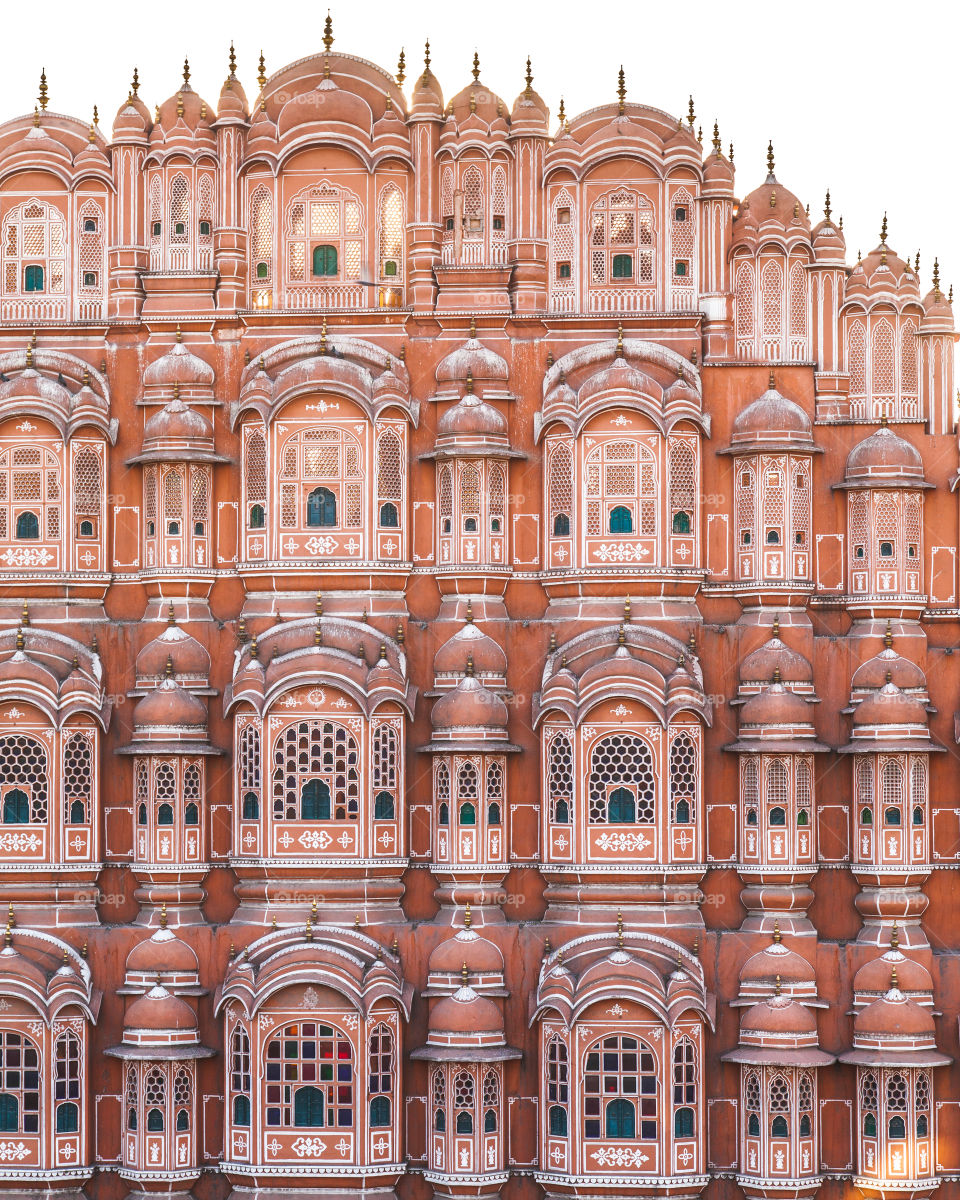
<point>621,787</point>
<point>858,509</point>
<point>491,1100</point>
<point>886,517</point>
<point>560,490</point>
<point>804,790</point>
<point>620,1075</point>
<point>155,1098</point>
<point>391,228</point>
<point>773,498</point>
<point>684,1073</point>
<point>155,231</point>
<point>386,771</point>
<point>752,1094</point>
<point>563,244</point>
<point>882,362</point>
<point>857,358</point>
<point>918,790</point>
<point>922,1092</point>
<point>683,237</point>
<point>621,240</point>
<point>255,476</point>
<point>324,236</point>
<point>897,1093</point>
<point>317,464</point>
<point>779,1095</point>
<point>446,193</point>
<point>683,488</point>
<point>471,183</point>
<point>800,501</point>
<point>179,209</point>
<point>499,204</point>
<point>463,1101</point>
<point>316,768</point>
<point>798,301</point>
<point>470,497</point>
<point>912,526</point>
<point>445,497</point>
<point>250,777</point>
<point>805,1093</point>
<point>684,779</point>
<point>776,794</point>
<point>24,780</point>
<point>496,490</point>
<point>439,1097</point>
<point>745,301</point>
<point>205,211</point>
<point>174,503</point>
<point>321,1058</point>
<point>891,790</point>
<point>77,778</point>
<point>745,501</point>
<point>200,499</point>
<point>261,235</point>
<point>441,791</point>
<point>621,475</point>
<point>34,250</point>
<point>90,244</point>
<point>389,479</point>
<point>908,360</point>
<point>182,1098</point>
<point>749,790</point>
<point>87,482</point>
<point>30,494</point>
<point>560,778</point>
<point>771,300</point>
<point>865,789</point>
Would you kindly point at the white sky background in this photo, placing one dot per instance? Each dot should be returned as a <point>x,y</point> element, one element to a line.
<point>858,97</point>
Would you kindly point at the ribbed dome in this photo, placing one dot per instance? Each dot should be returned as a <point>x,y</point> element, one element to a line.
<point>775,706</point>
<point>471,418</point>
<point>185,653</point>
<point>888,666</point>
<point>761,665</point>
<point>163,953</point>
<point>780,1016</point>
<point>175,422</point>
<point>474,359</point>
<point>884,457</point>
<point>875,976</point>
<point>894,1015</point>
<point>328,104</point>
<point>469,706</point>
<point>890,706</point>
<point>467,947</point>
<point>170,706</point>
<point>772,418</point>
<point>467,1013</point>
<point>470,642</point>
<point>774,962</point>
<point>178,365</point>
<point>427,99</point>
<point>159,1011</point>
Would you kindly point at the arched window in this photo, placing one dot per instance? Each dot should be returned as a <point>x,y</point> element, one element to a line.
<point>771,302</point>
<point>560,489</point>
<point>777,793</point>
<point>439,1101</point>
<point>442,792</point>
<point>805,1104</point>
<point>16,807</point>
<point>779,1107</point>
<point>683,778</point>
<point>380,1076</point>
<point>617,761</point>
<point>621,807</point>
<point>261,234</point>
<point>857,358</point>
<point>463,1101</point>
<point>34,250</point>
<point>491,1101</point>
<point>300,1057</point>
<point>240,1075</point>
<point>391,233</point>
<point>386,768</point>
<point>683,1123</point>
<point>308,1107</point>
<point>379,1112</point>
<point>745,302</point>
<point>560,777</point>
<point>752,1105</point>
<point>620,485</point>
<point>621,520</point>
<point>321,508</point>
<point>241,1110</point>
<point>322,751</point>
<point>683,486</point>
<point>28,526</point>
<point>66,1085</point>
<point>558,1087</point>
<point>620,1071</point>
<point>315,801</point>
<point>621,239</point>
<point>324,234</point>
<point>23,770</point>
<point>9,1113</point>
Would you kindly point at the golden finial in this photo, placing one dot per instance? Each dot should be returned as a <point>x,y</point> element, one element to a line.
<point>426,57</point>
<point>826,206</point>
<point>186,72</point>
<point>620,340</point>
<point>401,64</point>
<point>467,918</point>
<point>168,670</point>
<point>692,641</point>
<point>553,641</point>
<point>254,649</point>
<point>36,116</point>
<point>135,83</point>
<point>83,950</point>
<point>621,637</point>
<point>363,616</point>
<point>323,335</point>
<point>11,923</point>
<point>691,113</point>
<point>318,634</point>
<point>546,947</point>
<point>894,982</point>
<point>889,677</point>
<point>383,652</point>
<point>318,606</point>
<point>528,92</point>
<point>473,102</point>
<point>776,675</point>
<point>95,644</point>
<point>716,138</point>
<point>241,631</point>
<point>894,937</point>
<point>796,209</point>
<point>621,92</point>
<point>772,382</point>
<point>473,327</point>
<point>7,936</point>
<point>163,915</point>
<point>395,946</point>
<point>778,986</point>
<point>626,609</point>
<point>43,90</point>
<point>469,386</point>
<point>233,952</point>
<point>356,921</point>
<point>562,115</point>
<point>20,641</point>
<point>29,357</point>
<point>328,32</point>
<point>176,389</point>
<point>776,625</point>
<point>916,264</point>
<point>399,637</point>
<point>773,198</point>
<point>261,72</point>
<point>700,135</point>
<point>679,959</point>
<point>696,946</point>
<point>25,615</point>
<point>883,231</point>
<point>309,930</point>
<point>888,641</point>
<point>273,923</point>
<point>476,67</point>
<point>469,617</point>
<point>464,975</point>
<point>776,931</point>
<point>179,104</point>
<point>233,62</point>
<point>936,278</point>
<point>469,666</point>
<point>619,929</point>
<point>731,154</point>
<point>560,957</point>
<point>770,160</point>
<point>171,615</point>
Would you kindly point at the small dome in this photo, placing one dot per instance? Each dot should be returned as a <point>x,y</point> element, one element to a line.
<point>890,706</point>
<point>888,666</point>
<point>163,953</point>
<point>777,961</point>
<point>774,656</point>
<point>327,104</point>
<point>937,307</point>
<point>233,99</point>
<point>133,118</point>
<point>772,208</point>
<point>170,706</point>
<point>828,242</point>
<point>779,1016</point>
<point>882,274</point>
<point>772,418</point>
<point>775,706</point>
<point>884,457</point>
<point>187,655</point>
<point>427,99</point>
<point>894,1015</point>
<point>718,172</point>
<point>470,417</point>
<point>467,1013</point>
<point>179,365</point>
<point>175,422</point>
<point>874,977</point>
<point>466,947</point>
<point>474,359</point>
<point>469,706</point>
<point>470,642</point>
<point>159,1011</point>
<point>186,109</point>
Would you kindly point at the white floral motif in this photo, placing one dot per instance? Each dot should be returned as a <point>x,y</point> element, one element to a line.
<point>624,842</point>
<point>618,1156</point>
<point>622,552</point>
<point>23,556</point>
<point>12,1151</point>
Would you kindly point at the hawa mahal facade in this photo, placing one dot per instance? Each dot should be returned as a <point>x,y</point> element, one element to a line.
<point>478,605</point>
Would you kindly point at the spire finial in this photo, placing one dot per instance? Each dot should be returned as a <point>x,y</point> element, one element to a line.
<point>469,666</point>
<point>469,384</point>
<point>691,113</point>
<point>328,32</point>
<point>401,67</point>
<point>93,125</point>
<point>936,278</point>
<point>464,975</point>
<point>476,67</point>
<point>163,915</point>
<point>888,636</point>
<point>826,206</point>
<point>528,92</point>
<point>426,57</point>
<point>261,72</point>
<point>186,72</point>
<point>254,648</point>
<point>626,609</point>
<point>883,231</point>
<point>716,138</point>
<point>168,670</point>
<point>620,340</point>
<point>20,641</point>
<point>772,382</point>
<point>323,335</point>
<point>25,615</point>
<point>318,607</point>
<point>619,929</point>
<point>776,625</point>
<point>171,615</point>
<point>43,89</point>
<point>778,986</point>
<point>469,612</point>
<point>232,59</point>
<point>894,982</point>
<point>894,937</point>
<point>135,82</point>
<point>776,675</point>
<point>621,637</point>
<point>467,918</point>
<point>770,159</point>
<point>621,92</point>
<point>776,931</point>
<point>562,115</point>
<point>473,327</point>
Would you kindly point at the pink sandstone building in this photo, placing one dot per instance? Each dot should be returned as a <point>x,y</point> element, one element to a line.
<point>478,674</point>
